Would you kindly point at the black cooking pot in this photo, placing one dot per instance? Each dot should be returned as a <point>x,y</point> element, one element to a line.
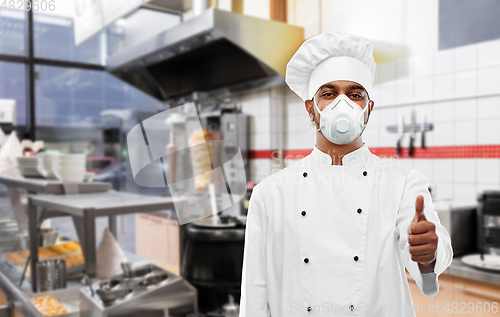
<point>213,260</point>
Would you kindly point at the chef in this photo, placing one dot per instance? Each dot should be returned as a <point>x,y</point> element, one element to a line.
<point>331,235</point>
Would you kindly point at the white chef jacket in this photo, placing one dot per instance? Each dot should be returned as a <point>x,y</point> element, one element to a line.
<point>334,239</point>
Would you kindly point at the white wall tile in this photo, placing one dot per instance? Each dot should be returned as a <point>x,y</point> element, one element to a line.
<point>262,141</point>
<point>405,67</point>
<point>442,170</point>
<point>427,109</point>
<point>387,92</point>
<point>424,87</point>
<point>444,62</point>
<point>423,65</point>
<point>404,89</point>
<point>387,72</point>
<point>264,124</point>
<point>464,191</point>
<point>466,132</point>
<point>443,111</point>
<point>465,58</point>
<point>488,53</point>
<point>371,136</point>
<point>443,191</point>
<point>488,131</point>
<point>488,80</point>
<point>464,170</point>
<point>488,107</point>
<point>465,109</point>
<point>465,83</point>
<point>443,133</point>
<point>424,166</point>
<point>482,187</point>
<point>488,171</point>
<point>387,116</point>
<point>444,85</point>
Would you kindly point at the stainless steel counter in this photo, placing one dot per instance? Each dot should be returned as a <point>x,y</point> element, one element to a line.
<point>20,295</point>
<point>460,269</point>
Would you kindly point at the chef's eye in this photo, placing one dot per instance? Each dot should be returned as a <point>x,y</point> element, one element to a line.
<point>327,94</point>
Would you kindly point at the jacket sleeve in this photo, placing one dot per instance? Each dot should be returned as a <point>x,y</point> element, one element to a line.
<point>254,299</point>
<point>416,185</point>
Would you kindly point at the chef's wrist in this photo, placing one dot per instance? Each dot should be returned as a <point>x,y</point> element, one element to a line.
<point>427,268</point>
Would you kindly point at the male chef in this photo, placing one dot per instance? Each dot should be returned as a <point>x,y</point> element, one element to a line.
<point>332,234</point>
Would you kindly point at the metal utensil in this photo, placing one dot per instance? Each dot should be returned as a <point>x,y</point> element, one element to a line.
<point>86,281</point>
<point>423,132</point>
<point>412,134</point>
<point>47,237</point>
<point>400,132</point>
<point>51,275</point>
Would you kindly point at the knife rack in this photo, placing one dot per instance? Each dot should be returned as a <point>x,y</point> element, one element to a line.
<point>419,127</point>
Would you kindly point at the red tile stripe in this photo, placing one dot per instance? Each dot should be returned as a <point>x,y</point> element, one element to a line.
<point>433,152</point>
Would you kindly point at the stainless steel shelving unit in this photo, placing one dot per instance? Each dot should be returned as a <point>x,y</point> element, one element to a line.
<point>87,207</point>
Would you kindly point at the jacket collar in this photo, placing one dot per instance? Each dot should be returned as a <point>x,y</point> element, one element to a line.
<point>358,158</point>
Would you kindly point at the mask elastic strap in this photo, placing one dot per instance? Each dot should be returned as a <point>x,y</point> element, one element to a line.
<point>314,102</point>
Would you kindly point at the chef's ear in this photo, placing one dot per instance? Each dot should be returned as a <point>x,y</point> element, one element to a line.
<point>310,109</point>
<point>371,103</point>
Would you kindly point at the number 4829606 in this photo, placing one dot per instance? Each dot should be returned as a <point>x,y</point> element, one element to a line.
<point>22,5</point>
<point>471,307</point>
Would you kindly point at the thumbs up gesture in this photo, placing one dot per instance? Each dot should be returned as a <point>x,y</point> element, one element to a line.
<point>422,238</point>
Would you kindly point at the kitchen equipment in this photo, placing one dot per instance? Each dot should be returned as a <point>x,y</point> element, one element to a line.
<point>144,291</point>
<point>213,258</point>
<point>47,236</point>
<point>231,309</point>
<point>488,221</point>
<point>51,275</point>
<point>488,262</point>
<point>228,61</point>
<point>459,219</point>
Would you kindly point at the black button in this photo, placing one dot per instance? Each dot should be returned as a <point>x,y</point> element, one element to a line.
<point>306,260</point>
<point>356,258</point>
<point>303,212</point>
<point>305,174</point>
<point>351,307</point>
<point>359,210</point>
<point>309,308</point>
<point>365,173</point>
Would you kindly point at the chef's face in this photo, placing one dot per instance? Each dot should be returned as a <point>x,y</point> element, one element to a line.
<point>329,91</point>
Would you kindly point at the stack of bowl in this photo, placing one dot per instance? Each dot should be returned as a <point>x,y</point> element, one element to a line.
<point>28,166</point>
<point>46,163</point>
<point>70,168</point>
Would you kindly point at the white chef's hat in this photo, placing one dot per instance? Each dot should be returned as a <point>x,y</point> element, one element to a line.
<point>327,57</point>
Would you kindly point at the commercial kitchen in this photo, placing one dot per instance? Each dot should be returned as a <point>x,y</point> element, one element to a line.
<point>132,134</point>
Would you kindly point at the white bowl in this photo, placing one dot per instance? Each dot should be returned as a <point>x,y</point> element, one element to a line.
<point>70,164</point>
<point>31,161</point>
<point>72,157</point>
<point>72,175</point>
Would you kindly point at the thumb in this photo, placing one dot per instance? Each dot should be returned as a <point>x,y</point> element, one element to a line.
<point>419,209</point>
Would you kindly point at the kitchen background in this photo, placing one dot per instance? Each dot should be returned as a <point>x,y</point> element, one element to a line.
<point>438,62</point>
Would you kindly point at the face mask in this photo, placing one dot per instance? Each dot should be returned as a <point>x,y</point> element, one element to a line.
<point>342,121</point>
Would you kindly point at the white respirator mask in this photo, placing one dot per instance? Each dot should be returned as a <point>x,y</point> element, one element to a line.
<point>342,121</point>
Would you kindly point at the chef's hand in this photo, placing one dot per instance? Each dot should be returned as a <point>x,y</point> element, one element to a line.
<point>422,238</point>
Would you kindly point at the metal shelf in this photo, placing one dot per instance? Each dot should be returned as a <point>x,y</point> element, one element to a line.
<point>85,208</point>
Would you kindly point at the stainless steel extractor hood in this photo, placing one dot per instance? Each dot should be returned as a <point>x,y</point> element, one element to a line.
<point>217,51</point>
